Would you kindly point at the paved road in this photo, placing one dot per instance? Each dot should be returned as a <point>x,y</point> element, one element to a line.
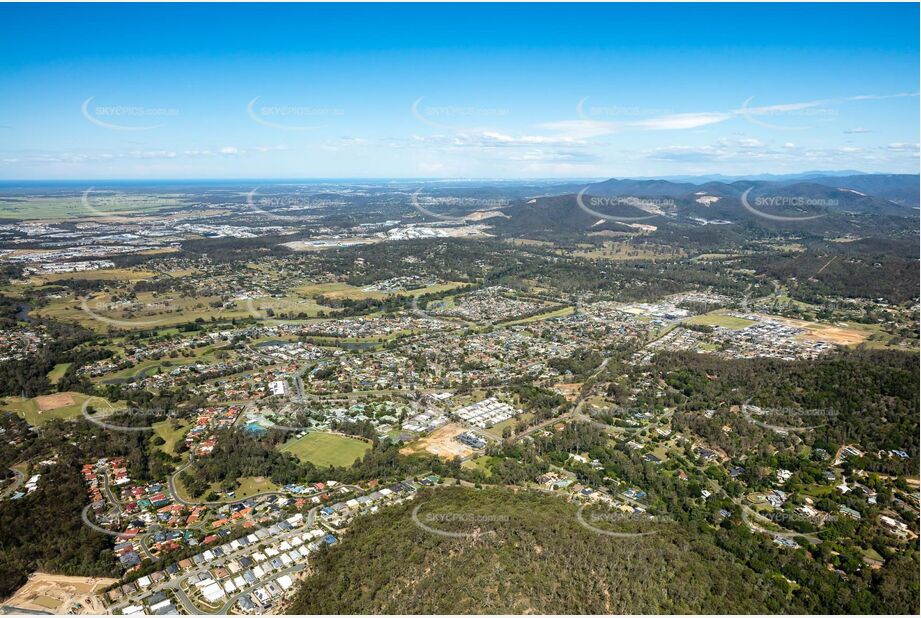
<point>117,509</point>
<point>746,511</point>
<point>175,584</point>
<point>575,411</point>
<point>230,602</point>
<point>171,484</point>
<point>20,480</point>
<point>84,515</point>
<point>145,550</point>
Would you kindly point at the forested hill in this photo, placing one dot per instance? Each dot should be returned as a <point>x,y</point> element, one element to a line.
<point>533,556</point>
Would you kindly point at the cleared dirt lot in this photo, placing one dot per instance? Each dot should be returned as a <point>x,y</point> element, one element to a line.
<point>60,594</point>
<point>53,402</point>
<point>829,334</point>
<point>441,442</point>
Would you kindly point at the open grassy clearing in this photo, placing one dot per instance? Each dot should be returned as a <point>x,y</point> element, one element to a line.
<point>718,318</point>
<point>326,449</point>
<point>153,366</point>
<point>163,311</point>
<point>45,408</point>
<point>625,251</point>
<point>55,375</point>
<point>703,257</point>
<point>110,274</point>
<point>74,207</point>
<point>344,290</point>
<point>481,463</point>
<point>246,486</point>
<point>840,335</point>
<point>496,430</point>
<point>337,290</point>
<point>526,242</point>
<point>172,435</point>
<point>878,338</point>
<point>542,316</point>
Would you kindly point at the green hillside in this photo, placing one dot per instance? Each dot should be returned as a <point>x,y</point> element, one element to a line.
<point>531,556</point>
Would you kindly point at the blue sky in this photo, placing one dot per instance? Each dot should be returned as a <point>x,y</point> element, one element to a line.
<point>514,91</point>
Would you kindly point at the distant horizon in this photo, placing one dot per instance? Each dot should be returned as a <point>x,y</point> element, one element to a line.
<point>548,179</point>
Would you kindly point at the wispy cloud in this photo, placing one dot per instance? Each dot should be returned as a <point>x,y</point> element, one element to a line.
<point>136,154</point>
<point>903,147</point>
<point>586,127</point>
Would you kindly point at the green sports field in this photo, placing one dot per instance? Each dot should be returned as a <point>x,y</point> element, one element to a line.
<point>326,449</point>
<point>720,319</point>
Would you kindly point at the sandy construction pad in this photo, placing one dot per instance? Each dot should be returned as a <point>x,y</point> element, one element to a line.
<point>839,335</point>
<point>53,402</point>
<point>441,442</point>
<point>60,594</point>
<point>569,390</point>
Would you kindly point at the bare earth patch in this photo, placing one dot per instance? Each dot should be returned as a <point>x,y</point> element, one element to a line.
<point>441,442</point>
<point>60,594</point>
<point>569,390</point>
<point>53,402</point>
<point>830,334</point>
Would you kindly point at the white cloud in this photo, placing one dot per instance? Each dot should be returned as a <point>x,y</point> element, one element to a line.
<point>681,121</point>
<point>903,147</point>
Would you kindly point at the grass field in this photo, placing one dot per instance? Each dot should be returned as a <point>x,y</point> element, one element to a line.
<point>497,429</point>
<point>246,486</point>
<point>97,204</point>
<point>840,335</point>
<point>55,375</point>
<point>716,318</point>
<point>251,485</point>
<point>480,463</point>
<point>60,408</point>
<point>162,311</point>
<point>344,290</point>
<point>326,449</point>
<point>542,316</point>
<point>110,274</point>
<point>625,251</point>
<point>878,338</point>
<point>47,602</point>
<point>165,430</point>
<point>152,366</point>
<point>337,290</point>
